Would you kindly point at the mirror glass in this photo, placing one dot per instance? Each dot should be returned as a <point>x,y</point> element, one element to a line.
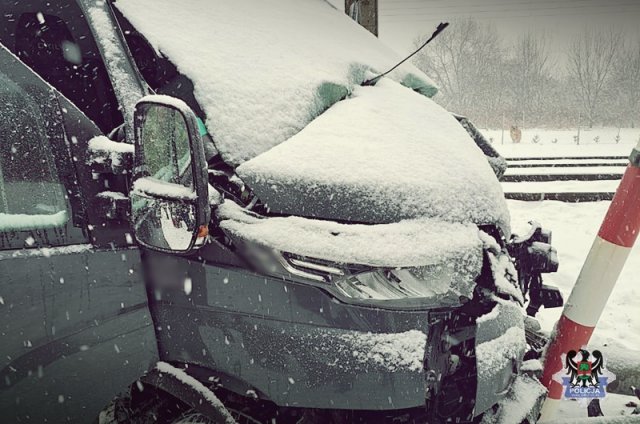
<point>162,223</point>
<point>164,138</point>
<point>163,199</point>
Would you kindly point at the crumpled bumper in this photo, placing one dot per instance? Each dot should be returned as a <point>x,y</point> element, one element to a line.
<point>500,348</point>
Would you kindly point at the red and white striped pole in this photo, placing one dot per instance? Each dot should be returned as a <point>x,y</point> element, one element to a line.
<point>599,274</point>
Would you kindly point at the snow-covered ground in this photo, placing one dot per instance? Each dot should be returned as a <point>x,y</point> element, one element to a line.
<point>575,225</point>
<point>612,405</point>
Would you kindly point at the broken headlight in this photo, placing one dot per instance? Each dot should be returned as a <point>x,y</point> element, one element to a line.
<point>388,284</point>
<point>385,284</point>
<point>442,284</point>
<point>446,283</point>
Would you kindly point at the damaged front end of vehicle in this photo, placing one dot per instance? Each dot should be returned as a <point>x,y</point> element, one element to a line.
<point>286,317</point>
<point>308,337</point>
<point>282,344</point>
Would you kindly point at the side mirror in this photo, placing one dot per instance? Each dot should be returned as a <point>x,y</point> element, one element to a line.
<point>169,201</point>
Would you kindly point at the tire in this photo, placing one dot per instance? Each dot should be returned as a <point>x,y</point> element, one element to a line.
<point>159,410</point>
<point>119,412</point>
<point>192,417</point>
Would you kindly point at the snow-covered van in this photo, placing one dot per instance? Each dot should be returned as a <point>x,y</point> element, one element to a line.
<point>316,247</point>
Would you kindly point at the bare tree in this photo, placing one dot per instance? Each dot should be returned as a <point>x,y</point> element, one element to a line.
<point>527,74</point>
<point>591,63</point>
<point>465,62</point>
<point>480,78</point>
<point>627,81</point>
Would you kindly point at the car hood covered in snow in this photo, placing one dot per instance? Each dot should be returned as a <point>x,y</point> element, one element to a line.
<point>263,69</point>
<point>383,155</point>
<point>280,82</point>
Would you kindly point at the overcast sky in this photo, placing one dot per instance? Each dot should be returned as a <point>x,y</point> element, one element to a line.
<point>401,21</point>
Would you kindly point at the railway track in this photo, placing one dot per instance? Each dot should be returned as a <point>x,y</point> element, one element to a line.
<point>563,178</point>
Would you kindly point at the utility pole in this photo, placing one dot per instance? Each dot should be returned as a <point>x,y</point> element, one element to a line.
<point>364,12</point>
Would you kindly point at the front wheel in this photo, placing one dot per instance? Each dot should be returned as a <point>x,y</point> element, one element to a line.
<point>192,417</point>
<point>160,409</point>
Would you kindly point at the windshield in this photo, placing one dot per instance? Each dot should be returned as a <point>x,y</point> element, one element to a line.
<point>261,69</point>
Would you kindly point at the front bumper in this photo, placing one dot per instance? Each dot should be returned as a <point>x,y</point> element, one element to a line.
<point>295,345</point>
<point>500,348</point>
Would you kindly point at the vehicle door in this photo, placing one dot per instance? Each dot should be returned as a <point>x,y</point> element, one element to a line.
<point>74,324</point>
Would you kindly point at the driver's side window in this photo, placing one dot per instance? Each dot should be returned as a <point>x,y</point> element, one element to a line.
<point>34,206</point>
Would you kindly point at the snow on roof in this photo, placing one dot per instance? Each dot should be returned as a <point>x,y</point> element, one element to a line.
<point>384,154</point>
<point>24,222</point>
<point>417,242</point>
<point>47,252</point>
<point>127,89</point>
<point>263,69</point>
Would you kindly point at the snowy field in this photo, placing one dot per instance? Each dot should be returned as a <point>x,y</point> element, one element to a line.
<point>574,226</point>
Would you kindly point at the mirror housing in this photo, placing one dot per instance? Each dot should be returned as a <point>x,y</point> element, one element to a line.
<point>170,209</point>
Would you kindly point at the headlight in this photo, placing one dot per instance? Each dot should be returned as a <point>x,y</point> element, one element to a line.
<point>395,283</point>
<point>441,284</point>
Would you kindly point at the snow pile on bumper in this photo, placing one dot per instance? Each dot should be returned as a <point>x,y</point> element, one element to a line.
<point>500,347</point>
<point>398,351</point>
<point>263,69</point>
<point>500,353</point>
